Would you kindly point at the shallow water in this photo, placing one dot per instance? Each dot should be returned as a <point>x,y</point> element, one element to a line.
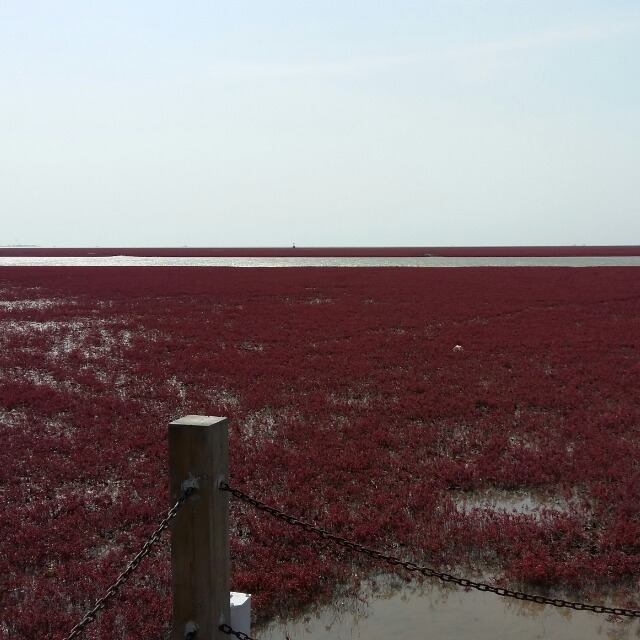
<point>516,502</point>
<point>446,613</point>
<point>430,261</point>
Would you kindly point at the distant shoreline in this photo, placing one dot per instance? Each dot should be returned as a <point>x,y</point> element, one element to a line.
<point>321,252</point>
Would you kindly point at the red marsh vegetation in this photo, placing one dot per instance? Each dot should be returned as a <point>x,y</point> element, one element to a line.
<point>387,405</point>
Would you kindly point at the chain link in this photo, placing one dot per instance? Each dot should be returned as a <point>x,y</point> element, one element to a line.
<point>225,628</point>
<point>131,567</point>
<point>425,571</point>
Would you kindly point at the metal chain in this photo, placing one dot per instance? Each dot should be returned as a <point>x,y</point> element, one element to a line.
<point>225,628</point>
<point>426,571</point>
<point>131,567</point>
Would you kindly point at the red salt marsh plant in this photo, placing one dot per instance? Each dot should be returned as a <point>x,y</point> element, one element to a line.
<point>348,406</point>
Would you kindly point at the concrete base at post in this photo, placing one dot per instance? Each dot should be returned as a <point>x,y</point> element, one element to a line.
<point>241,612</point>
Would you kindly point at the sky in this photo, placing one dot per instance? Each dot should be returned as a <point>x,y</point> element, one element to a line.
<point>319,122</point>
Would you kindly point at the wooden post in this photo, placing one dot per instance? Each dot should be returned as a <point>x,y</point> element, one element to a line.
<point>198,456</point>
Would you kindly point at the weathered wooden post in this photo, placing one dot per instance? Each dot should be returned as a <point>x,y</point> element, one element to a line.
<point>198,456</point>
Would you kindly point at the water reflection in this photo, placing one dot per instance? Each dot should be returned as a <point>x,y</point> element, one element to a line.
<point>194,261</point>
<point>518,502</point>
<point>391,608</point>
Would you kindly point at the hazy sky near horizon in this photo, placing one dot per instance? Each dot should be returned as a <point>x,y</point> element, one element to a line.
<point>319,123</point>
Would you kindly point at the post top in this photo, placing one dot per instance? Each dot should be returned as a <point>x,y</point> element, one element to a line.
<point>196,421</point>
<point>238,599</point>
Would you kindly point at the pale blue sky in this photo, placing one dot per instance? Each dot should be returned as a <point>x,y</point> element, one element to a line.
<point>324,123</point>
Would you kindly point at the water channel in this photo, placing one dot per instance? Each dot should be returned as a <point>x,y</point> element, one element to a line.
<point>446,613</point>
<point>426,261</point>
